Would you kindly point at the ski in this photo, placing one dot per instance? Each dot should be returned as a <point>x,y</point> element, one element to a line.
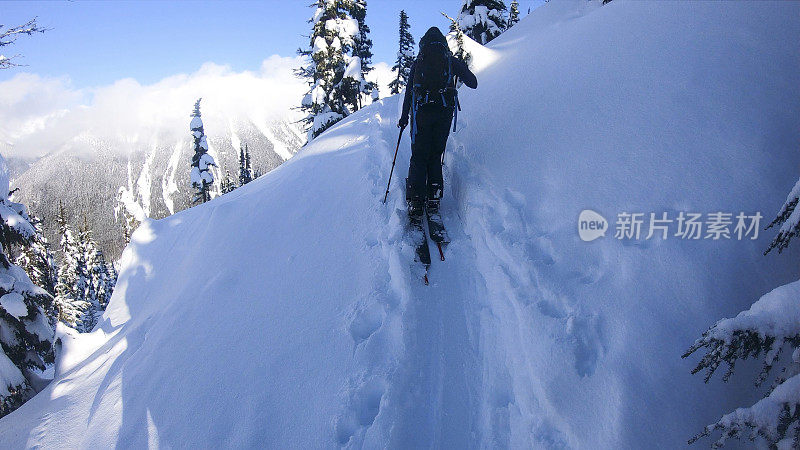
<point>441,252</point>
<point>436,228</point>
<point>421,243</point>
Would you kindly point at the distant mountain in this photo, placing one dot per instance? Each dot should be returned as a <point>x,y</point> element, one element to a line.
<point>87,173</point>
<point>17,166</point>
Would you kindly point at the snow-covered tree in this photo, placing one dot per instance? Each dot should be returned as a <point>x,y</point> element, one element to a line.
<point>245,172</point>
<point>461,51</point>
<point>770,327</point>
<point>513,14</point>
<point>201,176</point>
<point>26,334</point>
<point>37,260</point>
<point>128,212</point>
<point>228,184</point>
<point>482,20</point>
<point>100,277</point>
<point>129,225</point>
<point>72,284</point>
<point>788,220</point>
<point>360,57</point>
<point>10,35</point>
<point>332,71</point>
<point>405,56</point>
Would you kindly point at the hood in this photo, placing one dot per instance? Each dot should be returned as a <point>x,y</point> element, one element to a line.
<point>432,35</point>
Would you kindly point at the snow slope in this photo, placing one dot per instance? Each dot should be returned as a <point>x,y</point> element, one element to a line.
<point>288,312</point>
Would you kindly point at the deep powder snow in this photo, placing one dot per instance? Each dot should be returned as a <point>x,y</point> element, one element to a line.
<point>289,312</point>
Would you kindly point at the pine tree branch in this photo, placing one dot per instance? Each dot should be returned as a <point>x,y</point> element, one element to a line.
<point>10,35</point>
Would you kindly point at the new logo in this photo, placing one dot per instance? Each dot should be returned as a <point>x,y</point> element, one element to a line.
<point>591,225</point>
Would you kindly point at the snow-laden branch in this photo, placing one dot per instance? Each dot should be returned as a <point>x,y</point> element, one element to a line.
<point>774,418</point>
<point>769,326</point>
<point>788,219</point>
<point>10,35</point>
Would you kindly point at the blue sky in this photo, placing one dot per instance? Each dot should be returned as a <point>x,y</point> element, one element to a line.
<point>95,43</point>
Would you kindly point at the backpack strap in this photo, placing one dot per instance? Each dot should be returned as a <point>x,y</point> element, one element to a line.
<point>413,113</point>
<point>458,106</point>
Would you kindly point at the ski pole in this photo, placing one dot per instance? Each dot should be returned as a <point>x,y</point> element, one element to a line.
<point>393,161</point>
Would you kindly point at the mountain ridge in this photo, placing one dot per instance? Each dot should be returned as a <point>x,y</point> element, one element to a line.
<point>86,175</point>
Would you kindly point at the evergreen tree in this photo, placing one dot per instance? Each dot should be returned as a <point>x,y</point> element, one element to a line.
<point>37,260</point>
<point>86,251</point>
<point>129,225</point>
<point>482,20</point>
<point>100,279</point>
<point>769,328</point>
<point>361,57</point>
<point>201,176</point>
<point>85,280</point>
<point>405,56</point>
<point>129,212</point>
<point>245,172</point>
<point>461,52</point>
<point>228,184</point>
<point>247,163</point>
<point>123,213</point>
<point>513,14</point>
<point>788,220</point>
<point>26,334</point>
<point>332,71</point>
<point>72,283</point>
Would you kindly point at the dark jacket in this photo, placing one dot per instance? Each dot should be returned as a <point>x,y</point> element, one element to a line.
<point>459,69</point>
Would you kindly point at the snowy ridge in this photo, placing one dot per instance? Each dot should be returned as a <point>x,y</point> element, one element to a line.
<point>289,312</point>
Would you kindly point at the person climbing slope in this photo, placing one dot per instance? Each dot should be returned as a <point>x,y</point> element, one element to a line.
<point>431,99</point>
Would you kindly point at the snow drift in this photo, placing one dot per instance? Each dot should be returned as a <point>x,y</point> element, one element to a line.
<point>289,313</point>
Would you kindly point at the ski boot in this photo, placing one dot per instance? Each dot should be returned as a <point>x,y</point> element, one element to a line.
<point>416,210</point>
<point>435,224</point>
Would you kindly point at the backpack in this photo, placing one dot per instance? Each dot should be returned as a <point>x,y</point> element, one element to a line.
<point>433,76</point>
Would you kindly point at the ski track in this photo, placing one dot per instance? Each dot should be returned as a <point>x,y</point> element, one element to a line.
<point>433,372</point>
<point>438,365</point>
<point>415,362</point>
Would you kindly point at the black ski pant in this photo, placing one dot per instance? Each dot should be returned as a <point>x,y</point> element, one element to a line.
<point>428,140</point>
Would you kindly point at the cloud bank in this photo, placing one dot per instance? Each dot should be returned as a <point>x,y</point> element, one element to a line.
<point>40,115</point>
<point>43,115</point>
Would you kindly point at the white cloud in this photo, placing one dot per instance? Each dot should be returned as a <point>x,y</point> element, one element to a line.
<point>42,115</point>
<point>28,103</point>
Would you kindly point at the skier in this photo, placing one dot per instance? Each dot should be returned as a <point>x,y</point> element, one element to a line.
<point>431,98</point>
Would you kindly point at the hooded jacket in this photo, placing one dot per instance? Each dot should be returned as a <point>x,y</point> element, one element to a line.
<point>458,67</point>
